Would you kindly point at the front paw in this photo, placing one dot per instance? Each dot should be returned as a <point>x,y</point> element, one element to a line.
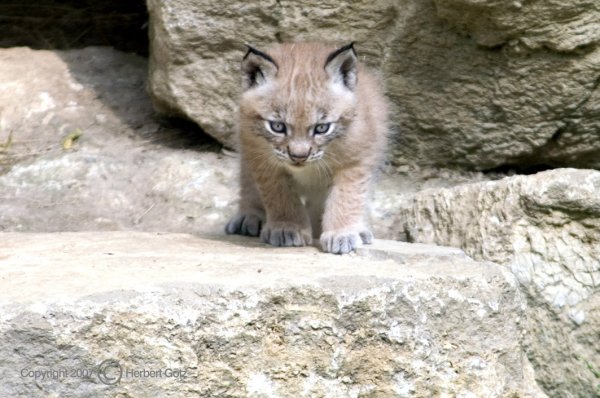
<point>244,224</point>
<point>285,234</point>
<point>344,241</point>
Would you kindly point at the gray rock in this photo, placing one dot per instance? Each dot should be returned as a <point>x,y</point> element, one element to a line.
<point>245,320</point>
<point>464,105</point>
<point>546,227</point>
<point>476,84</point>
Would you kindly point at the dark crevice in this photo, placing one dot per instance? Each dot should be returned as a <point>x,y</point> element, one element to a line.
<point>495,48</point>
<point>557,134</point>
<point>532,163</point>
<point>585,48</point>
<point>180,133</point>
<point>513,169</point>
<point>68,24</point>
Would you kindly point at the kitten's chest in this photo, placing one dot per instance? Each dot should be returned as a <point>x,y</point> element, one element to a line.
<point>311,179</point>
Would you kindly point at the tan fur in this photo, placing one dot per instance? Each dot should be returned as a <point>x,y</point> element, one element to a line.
<point>324,198</point>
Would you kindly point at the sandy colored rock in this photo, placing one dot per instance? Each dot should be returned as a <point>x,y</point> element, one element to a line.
<point>557,25</point>
<point>128,169</point>
<point>468,106</point>
<point>245,320</point>
<point>546,227</point>
<point>475,84</point>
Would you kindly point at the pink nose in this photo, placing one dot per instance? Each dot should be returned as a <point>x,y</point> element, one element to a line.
<point>298,157</point>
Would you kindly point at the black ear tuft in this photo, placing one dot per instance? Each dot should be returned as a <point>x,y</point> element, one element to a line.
<point>341,65</point>
<point>252,50</point>
<point>257,68</point>
<point>340,50</point>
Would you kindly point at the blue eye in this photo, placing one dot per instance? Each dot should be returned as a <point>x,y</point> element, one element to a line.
<point>277,127</point>
<point>321,128</point>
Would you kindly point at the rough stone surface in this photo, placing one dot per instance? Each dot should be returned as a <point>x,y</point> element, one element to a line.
<point>470,106</point>
<point>245,320</point>
<point>46,95</point>
<point>546,227</point>
<point>477,84</point>
<point>127,169</point>
<point>553,24</point>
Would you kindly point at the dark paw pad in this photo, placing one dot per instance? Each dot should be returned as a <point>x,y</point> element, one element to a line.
<point>244,224</point>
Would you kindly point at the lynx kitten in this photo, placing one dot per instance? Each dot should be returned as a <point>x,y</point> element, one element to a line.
<point>312,132</point>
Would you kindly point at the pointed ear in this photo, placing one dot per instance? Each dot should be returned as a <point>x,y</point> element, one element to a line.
<point>257,68</point>
<point>341,66</point>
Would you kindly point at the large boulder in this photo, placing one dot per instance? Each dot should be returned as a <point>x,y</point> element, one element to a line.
<point>477,84</point>
<point>196,48</point>
<point>233,318</point>
<point>546,227</point>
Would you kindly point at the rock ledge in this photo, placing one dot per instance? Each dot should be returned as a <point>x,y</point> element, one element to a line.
<point>244,320</point>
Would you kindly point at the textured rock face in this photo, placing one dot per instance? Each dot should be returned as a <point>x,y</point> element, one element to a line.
<point>546,227</point>
<point>478,107</point>
<point>243,320</point>
<point>556,25</point>
<point>476,84</point>
<point>125,171</point>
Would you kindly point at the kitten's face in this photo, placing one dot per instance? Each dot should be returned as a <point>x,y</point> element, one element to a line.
<point>300,127</point>
<point>300,101</point>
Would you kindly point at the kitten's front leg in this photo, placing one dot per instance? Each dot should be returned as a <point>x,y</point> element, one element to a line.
<point>251,214</point>
<point>287,222</point>
<point>344,225</point>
